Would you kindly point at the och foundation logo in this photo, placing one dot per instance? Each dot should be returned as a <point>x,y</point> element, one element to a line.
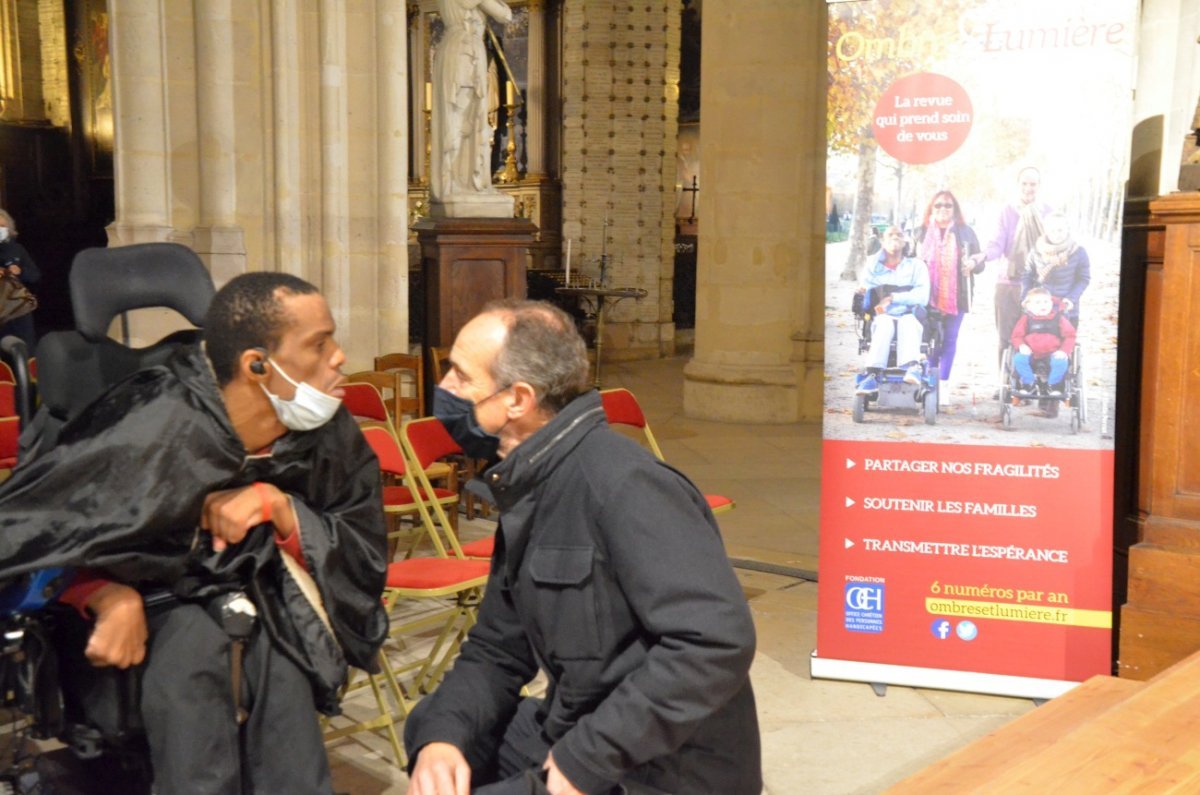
<point>864,606</point>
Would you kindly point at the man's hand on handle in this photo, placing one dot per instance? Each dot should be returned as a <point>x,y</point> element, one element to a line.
<point>119,636</point>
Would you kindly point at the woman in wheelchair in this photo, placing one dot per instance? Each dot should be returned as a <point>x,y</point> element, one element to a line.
<point>899,286</point>
<point>1043,334</point>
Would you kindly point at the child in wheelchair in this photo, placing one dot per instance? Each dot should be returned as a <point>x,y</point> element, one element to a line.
<point>1043,342</point>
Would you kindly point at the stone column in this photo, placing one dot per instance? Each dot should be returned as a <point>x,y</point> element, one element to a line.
<point>140,169</point>
<point>217,238</point>
<point>335,162</point>
<point>392,274</point>
<point>288,188</point>
<point>535,92</point>
<point>759,324</point>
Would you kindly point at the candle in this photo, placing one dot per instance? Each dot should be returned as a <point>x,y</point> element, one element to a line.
<point>509,92</point>
<point>568,280</point>
<point>429,96</point>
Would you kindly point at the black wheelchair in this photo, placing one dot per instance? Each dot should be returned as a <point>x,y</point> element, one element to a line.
<point>894,391</point>
<point>51,691</point>
<point>1072,392</point>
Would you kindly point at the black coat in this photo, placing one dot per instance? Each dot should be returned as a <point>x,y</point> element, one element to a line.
<point>610,575</point>
<point>122,490</point>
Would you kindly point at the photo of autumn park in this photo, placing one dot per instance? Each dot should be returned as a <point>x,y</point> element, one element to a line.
<point>995,135</point>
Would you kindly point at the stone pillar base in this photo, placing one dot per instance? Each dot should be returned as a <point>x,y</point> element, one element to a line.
<point>482,205</point>
<point>740,393</point>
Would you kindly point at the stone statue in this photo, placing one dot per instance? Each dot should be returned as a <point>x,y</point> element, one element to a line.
<point>460,164</point>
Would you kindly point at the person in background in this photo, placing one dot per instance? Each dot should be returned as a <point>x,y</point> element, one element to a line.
<point>1060,265</point>
<point>15,261</point>
<point>1017,231</point>
<point>949,247</point>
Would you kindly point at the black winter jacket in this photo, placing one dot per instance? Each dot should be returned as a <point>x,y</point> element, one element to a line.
<point>610,575</point>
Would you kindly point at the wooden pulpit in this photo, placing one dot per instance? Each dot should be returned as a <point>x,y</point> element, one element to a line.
<point>467,262</point>
<point>1160,621</point>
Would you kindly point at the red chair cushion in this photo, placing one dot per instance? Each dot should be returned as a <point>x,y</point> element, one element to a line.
<point>716,501</point>
<point>433,573</point>
<point>482,548</point>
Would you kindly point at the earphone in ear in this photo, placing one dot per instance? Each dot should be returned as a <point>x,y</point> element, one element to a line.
<point>257,367</point>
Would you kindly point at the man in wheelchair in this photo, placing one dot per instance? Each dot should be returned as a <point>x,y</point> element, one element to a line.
<point>895,288</point>
<point>229,479</point>
<point>1042,342</point>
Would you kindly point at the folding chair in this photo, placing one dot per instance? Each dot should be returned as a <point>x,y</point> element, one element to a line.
<point>409,369</point>
<point>8,398</point>
<point>364,401</point>
<point>6,373</point>
<point>622,408</point>
<point>424,442</point>
<point>386,718</point>
<point>399,498</point>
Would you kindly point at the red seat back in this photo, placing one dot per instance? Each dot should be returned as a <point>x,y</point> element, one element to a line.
<point>364,400</point>
<point>10,429</point>
<point>391,460</point>
<point>621,408</point>
<point>429,440</point>
<point>8,399</point>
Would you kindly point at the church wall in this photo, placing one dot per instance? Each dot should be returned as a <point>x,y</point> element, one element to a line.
<point>270,135</point>
<point>620,88</point>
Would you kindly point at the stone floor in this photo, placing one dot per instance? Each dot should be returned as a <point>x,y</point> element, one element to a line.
<point>818,736</point>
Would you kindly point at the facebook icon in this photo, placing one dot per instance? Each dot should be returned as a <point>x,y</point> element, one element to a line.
<point>941,628</point>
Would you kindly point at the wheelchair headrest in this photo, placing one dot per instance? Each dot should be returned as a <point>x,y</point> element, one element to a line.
<point>108,281</point>
<point>73,371</point>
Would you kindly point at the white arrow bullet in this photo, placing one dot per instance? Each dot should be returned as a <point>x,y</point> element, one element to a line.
<point>849,464</point>
<point>849,502</point>
<point>849,543</point>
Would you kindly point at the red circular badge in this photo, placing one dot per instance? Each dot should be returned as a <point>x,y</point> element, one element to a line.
<point>922,118</point>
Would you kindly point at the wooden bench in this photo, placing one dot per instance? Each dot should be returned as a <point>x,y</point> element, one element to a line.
<point>1107,735</point>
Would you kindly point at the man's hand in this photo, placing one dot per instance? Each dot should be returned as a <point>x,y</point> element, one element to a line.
<point>1025,349</point>
<point>556,782</point>
<point>1067,305</point>
<point>119,637</point>
<point>441,769</point>
<point>14,270</point>
<point>228,515</point>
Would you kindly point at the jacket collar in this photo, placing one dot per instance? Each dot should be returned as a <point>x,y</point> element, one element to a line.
<point>534,459</point>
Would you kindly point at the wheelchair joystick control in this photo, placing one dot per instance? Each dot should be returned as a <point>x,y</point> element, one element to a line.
<point>237,616</point>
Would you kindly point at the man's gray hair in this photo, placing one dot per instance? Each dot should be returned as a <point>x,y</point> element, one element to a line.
<point>542,348</point>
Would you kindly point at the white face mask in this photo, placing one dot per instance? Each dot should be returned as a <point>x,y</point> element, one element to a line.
<point>309,409</point>
<point>3,233</point>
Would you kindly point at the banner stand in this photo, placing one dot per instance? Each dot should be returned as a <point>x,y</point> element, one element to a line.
<point>938,679</point>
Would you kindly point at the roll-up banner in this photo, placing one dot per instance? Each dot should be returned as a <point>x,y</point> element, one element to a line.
<point>977,155</point>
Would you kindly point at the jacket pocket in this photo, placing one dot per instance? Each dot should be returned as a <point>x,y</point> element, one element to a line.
<point>566,601</point>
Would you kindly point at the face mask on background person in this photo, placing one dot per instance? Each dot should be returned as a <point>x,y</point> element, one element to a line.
<point>3,233</point>
<point>309,409</point>
<point>458,415</point>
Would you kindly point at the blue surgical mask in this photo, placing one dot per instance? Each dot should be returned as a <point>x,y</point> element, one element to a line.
<point>309,409</point>
<point>458,415</point>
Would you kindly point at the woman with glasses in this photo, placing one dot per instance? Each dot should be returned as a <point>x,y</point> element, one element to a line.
<point>950,248</point>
